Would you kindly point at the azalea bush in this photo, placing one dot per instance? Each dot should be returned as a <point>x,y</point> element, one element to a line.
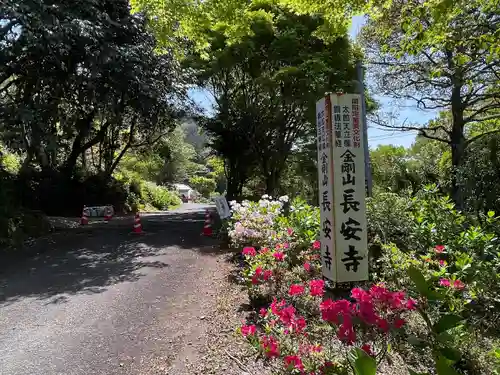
<point>254,223</point>
<point>435,304</point>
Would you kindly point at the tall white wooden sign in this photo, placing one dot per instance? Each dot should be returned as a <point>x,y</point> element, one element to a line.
<point>344,245</point>
<point>349,189</point>
<point>325,183</point>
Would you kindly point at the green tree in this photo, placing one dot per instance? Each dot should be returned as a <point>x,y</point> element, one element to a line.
<point>390,168</point>
<point>265,88</point>
<point>235,18</point>
<point>67,86</point>
<point>441,56</point>
<point>217,172</point>
<point>204,185</point>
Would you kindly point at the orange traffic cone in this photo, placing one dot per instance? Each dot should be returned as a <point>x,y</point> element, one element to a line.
<point>137,225</point>
<point>84,220</point>
<point>207,228</point>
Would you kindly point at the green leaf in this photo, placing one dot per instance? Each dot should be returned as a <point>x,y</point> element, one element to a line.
<point>451,353</point>
<point>413,340</point>
<point>447,322</point>
<point>417,373</point>
<point>419,280</point>
<point>444,368</point>
<point>362,363</point>
<point>444,337</point>
<point>491,213</point>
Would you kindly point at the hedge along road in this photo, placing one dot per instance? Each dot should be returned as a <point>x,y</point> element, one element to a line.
<point>106,302</point>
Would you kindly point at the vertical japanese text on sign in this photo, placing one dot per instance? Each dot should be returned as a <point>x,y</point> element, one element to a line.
<point>325,176</point>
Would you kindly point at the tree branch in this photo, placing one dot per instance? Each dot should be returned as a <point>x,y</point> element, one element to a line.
<point>479,136</point>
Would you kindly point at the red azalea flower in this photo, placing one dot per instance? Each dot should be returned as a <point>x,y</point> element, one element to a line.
<point>307,267</point>
<point>277,306</point>
<point>324,369</point>
<point>299,324</point>
<point>316,287</point>
<point>411,304</point>
<point>383,324</point>
<point>398,323</point>
<point>264,250</point>
<point>457,284</point>
<point>250,251</point>
<point>366,311</point>
<point>316,245</point>
<point>294,361</point>
<point>268,274</point>
<point>439,248</point>
<point>367,349</point>
<point>330,310</point>
<point>279,256</point>
<point>270,346</point>
<point>396,300</point>
<point>295,289</point>
<point>258,271</point>
<point>444,282</point>
<point>360,294</point>
<point>255,280</point>
<point>248,330</point>
<point>346,330</point>
<point>287,315</point>
<point>278,246</point>
<point>263,312</point>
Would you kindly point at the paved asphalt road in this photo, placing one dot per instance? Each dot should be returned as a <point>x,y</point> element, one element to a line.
<point>103,301</point>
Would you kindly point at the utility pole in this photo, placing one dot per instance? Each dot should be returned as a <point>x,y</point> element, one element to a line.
<point>368,169</point>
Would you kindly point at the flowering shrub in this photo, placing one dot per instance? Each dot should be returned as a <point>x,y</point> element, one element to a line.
<point>253,223</point>
<point>435,299</point>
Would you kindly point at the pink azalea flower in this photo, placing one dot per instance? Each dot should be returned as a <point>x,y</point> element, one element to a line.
<point>457,284</point>
<point>439,249</point>
<point>279,256</point>
<point>294,361</point>
<point>263,312</point>
<point>289,231</point>
<point>398,323</point>
<point>307,267</point>
<point>268,274</point>
<point>316,245</point>
<point>270,346</point>
<point>442,262</point>
<point>367,349</point>
<point>296,289</point>
<point>316,287</point>
<point>258,271</point>
<point>444,282</point>
<point>250,251</point>
<point>248,330</point>
<point>411,304</point>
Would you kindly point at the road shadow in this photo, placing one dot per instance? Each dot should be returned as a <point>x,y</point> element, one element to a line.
<point>88,262</point>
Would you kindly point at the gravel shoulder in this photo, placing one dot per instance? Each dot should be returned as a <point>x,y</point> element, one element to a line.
<point>213,347</point>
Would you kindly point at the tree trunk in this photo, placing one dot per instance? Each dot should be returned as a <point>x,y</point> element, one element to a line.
<point>458,149</point>
<point>84,126</point>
